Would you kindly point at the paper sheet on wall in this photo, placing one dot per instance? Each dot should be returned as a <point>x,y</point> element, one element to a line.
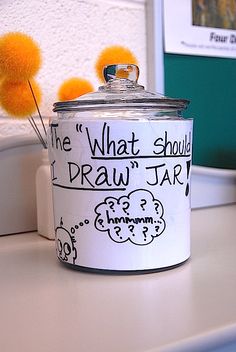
<point>198,27</point>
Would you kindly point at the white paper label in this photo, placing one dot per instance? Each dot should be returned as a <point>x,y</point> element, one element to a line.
<point>121,192</point>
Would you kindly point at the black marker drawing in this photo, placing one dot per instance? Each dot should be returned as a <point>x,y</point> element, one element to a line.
<point>188,165</point>
<point>137,217</point>
<point>65,241</point>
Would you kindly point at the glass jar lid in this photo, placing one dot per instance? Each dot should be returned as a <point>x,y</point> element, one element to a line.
<point>121,91</point>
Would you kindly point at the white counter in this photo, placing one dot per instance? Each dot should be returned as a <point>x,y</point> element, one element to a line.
<point>46,307</point>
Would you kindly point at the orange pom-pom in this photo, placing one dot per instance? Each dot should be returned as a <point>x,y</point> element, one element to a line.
<point>73,88</point>
<point>121,73</point>
<point>16,97</point>
<point>20,57</point>
<point>114,55</point>
<point>1,75</point>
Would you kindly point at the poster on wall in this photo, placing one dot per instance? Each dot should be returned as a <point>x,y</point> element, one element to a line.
<point>200,27</point>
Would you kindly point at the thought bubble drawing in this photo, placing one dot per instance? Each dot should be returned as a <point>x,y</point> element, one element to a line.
<point>137,217</point>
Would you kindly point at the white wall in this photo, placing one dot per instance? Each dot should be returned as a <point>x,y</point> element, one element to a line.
<point>72,33</point>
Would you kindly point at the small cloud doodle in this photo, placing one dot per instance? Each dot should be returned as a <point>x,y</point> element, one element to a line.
<point>137,217</point>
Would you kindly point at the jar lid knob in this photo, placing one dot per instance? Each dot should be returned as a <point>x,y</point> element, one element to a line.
<point>125,71</point>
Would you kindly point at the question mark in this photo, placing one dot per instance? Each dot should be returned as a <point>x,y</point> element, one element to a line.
<point>118,229</point>
<point>144,202</point>
<point>145,230</point>
<point>125,207</point>
<point>131,228</point>
<point>100,221</point>
<point>156,206</point>
<point>111,204</point>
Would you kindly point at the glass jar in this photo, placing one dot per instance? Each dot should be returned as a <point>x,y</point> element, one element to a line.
<point>120,165</point>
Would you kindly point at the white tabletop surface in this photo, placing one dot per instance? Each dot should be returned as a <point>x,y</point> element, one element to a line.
<point>47,307</point>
